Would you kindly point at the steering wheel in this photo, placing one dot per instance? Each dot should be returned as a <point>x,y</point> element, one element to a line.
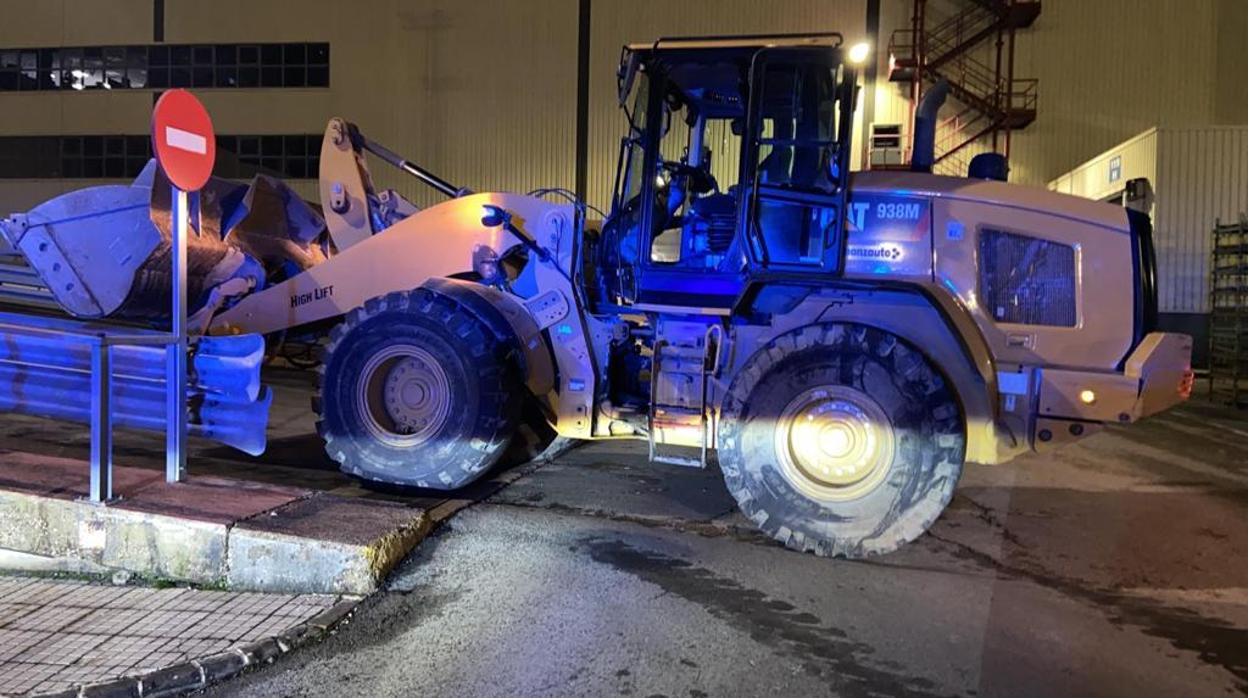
<point>700,181</point>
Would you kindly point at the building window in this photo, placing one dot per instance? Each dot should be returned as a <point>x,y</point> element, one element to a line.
<point>294,156</point>
<point>161,66</point>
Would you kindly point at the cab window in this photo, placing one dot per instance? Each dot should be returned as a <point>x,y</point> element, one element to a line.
<point>796,211</point>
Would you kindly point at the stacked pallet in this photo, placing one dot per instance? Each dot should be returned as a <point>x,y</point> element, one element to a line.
<point>1228,321</point>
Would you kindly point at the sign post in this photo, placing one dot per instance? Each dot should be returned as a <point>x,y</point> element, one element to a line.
<point>185,147</point>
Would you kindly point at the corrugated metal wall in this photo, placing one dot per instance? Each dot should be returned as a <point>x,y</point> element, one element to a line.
<point>70,23</point>
<point>1199,175</point>
<point>1104,76</point>
<point>618,22</point>
<point>482,93</point>
<point>1202,175</point>
<point>1109,69</point>
<point>892,100</point>
<point>74,22</point>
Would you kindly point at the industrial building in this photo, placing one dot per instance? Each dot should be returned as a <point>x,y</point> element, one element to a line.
<point>520,95</point>
<point>623,347</point>
<point>451,68</point>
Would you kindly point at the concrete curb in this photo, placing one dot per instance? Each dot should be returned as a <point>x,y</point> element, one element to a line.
<point>317,543</point>
<point>322,544</point>
<point>197,674</point>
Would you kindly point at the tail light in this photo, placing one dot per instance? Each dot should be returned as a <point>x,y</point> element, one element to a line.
<point>1186,382</point>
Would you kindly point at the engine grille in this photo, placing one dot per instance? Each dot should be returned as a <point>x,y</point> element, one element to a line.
<point>1026,280</point>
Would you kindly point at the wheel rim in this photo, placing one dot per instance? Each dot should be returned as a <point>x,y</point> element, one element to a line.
<point>834,443</point>
<point>403,395</point>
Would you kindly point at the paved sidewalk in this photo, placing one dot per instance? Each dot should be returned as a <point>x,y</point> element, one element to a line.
<point>56,634</point>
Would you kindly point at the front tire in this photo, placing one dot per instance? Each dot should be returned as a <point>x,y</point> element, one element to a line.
<point>416,390</point>
<point>841,440</point>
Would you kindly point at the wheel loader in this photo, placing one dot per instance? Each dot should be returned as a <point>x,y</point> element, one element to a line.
<point>841,342</point>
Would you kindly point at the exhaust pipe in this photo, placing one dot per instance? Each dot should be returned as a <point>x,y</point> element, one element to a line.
<point>923,156</point>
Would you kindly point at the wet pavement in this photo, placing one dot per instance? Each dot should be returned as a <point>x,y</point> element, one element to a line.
<point>1115,567</point>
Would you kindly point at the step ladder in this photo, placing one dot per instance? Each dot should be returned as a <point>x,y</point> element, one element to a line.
<point>694,367</point>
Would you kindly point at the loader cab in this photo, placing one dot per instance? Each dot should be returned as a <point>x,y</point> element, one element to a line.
<point>734,169</point>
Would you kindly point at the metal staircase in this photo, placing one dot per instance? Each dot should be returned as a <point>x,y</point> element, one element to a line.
<point>972,50</point>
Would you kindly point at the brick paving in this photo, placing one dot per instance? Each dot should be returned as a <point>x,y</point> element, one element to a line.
<point>56,634</point>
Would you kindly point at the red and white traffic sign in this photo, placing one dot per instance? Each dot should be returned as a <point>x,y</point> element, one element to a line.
<point>183,139</point>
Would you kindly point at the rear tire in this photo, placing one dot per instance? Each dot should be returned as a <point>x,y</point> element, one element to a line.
<point>841,440</point>
<point>416,390</point>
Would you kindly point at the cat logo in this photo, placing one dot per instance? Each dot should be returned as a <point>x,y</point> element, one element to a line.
<point>887,218</point>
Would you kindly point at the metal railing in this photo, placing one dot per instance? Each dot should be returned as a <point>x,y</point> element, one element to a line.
<point>100,343</point>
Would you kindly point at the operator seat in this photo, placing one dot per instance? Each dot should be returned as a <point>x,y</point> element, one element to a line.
<point>779,222</point>
<point>776,166</point>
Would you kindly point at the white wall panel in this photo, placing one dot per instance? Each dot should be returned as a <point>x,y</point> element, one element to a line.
<point>1137,157</point>
<point>1202,176</point>
<point>1199,175</point>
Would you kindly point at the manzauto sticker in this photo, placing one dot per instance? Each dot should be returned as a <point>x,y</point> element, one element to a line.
<point>884,252</point>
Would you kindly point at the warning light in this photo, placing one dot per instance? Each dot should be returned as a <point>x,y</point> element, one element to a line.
<point>858,53</point>
<point>1087,397</point>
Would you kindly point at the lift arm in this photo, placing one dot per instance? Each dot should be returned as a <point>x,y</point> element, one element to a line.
<point>354,209</point>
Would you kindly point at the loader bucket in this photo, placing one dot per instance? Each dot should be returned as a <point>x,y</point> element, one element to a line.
<point>106,251</point>
<point>87,245</point>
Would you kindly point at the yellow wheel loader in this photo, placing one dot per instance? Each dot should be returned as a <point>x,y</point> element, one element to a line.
<point>842,342</point>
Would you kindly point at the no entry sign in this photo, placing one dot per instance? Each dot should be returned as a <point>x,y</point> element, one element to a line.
<point>183,140</point>
<point>185,147</point>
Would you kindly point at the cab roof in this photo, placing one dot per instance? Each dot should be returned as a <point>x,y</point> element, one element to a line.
<point>707,70</point>
<point>743,44</point>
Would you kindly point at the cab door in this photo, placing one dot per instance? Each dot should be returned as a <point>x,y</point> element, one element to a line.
<point>795,161</point>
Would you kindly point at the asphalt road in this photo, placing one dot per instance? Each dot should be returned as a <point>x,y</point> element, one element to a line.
<point>1117,567</point>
